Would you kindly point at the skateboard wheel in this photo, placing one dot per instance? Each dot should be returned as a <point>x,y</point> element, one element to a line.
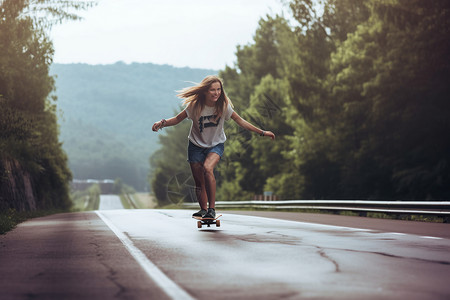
<point>199,224</point>
<point>218,223</point>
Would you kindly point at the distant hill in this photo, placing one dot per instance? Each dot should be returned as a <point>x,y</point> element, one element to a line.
<point>108,111</point>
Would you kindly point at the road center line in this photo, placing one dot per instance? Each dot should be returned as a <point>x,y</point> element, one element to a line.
<point>167,285</point>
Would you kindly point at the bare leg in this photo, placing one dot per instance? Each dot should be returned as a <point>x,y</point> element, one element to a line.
<point>198,172</point>
<point>210,163</point>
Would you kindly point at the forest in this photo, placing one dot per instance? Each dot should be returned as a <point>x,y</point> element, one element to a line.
<point>357,93</point>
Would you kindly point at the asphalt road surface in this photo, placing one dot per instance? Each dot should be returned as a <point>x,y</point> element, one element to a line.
<point>160,254</point>
<point>108,202</point>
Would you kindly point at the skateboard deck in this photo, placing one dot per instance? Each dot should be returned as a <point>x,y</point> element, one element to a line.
<point>207,221</point>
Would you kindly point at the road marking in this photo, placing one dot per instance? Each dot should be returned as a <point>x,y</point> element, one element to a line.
<point>422,237</point>
<point>431,237</point>
<point>168,286</point>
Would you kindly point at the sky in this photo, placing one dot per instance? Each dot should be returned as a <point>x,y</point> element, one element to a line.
<point>182,33</point>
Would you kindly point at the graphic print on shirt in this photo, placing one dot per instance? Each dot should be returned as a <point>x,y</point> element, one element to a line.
<point>207,121</point>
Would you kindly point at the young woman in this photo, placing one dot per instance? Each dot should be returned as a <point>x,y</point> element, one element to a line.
<point>208,107</point>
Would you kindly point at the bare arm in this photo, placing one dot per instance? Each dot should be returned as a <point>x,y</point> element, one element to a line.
<point>248,126</point>
<point>170,122</point>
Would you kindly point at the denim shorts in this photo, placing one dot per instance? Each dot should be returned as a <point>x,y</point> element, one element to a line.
<point>198,154</point>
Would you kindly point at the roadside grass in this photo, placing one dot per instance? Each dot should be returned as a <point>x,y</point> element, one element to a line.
<point>144,200</point>
<point>9,219</point>
<point>81,201</point>
<point>86,200</point>
<point>138,200</point>
<point>124,198</point>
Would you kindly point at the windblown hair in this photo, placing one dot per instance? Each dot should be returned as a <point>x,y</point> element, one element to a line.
<point>195,96</point>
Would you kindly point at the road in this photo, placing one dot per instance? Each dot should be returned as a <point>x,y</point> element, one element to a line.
<point>160,254</point>
<point>108,202</point>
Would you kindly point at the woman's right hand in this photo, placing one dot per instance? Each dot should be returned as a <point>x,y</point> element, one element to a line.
<point>157,126</point>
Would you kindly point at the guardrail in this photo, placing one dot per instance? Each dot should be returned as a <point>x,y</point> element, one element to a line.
<point>398,207</point>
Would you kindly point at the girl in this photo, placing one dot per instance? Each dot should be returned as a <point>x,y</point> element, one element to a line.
<point>208,107</point>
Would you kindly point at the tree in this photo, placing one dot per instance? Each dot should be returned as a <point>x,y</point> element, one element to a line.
<point>33,167</point>
<point>259,94</point>
<point>361,90</point>
<point>170,176</point>
<point>388,97</point>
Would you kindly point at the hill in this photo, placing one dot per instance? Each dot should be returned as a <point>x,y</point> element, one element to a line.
<point>107,112</point>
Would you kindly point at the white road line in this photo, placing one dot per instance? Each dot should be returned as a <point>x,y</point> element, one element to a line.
<point>422,237</point>
<point>169,287</point>
<point>431,237</point>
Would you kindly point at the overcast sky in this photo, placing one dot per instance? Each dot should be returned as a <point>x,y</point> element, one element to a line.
<point>192,33</point>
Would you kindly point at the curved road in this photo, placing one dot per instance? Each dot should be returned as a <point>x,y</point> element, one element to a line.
<point>160,254</point>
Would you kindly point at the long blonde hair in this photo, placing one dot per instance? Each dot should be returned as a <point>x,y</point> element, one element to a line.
<point>195,95</point>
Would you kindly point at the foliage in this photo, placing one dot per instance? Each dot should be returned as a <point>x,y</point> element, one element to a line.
<point>357,94</point>
<point>11,217</point>
<point>47,13</point>
<point>86,200</point>
<point>121,188</point>
<point>33,167</point>
<point>394,67</point>
<point>171,174</point>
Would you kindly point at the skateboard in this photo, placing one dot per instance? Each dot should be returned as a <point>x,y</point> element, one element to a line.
<point>207,221</point>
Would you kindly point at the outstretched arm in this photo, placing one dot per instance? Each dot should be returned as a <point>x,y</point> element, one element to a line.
<point>170,122</point>
<point>246,125</point>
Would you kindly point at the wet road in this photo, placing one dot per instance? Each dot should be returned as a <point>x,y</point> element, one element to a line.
<point>261,258</point>
<point>108,202</point>
<point>160,254</point>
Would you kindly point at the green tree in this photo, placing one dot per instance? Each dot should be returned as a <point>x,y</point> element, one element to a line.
<point>33,167</point>
<point>396,68</point>
<point>170,176</point>
<point>259,93</point>
<point>361,103</point>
